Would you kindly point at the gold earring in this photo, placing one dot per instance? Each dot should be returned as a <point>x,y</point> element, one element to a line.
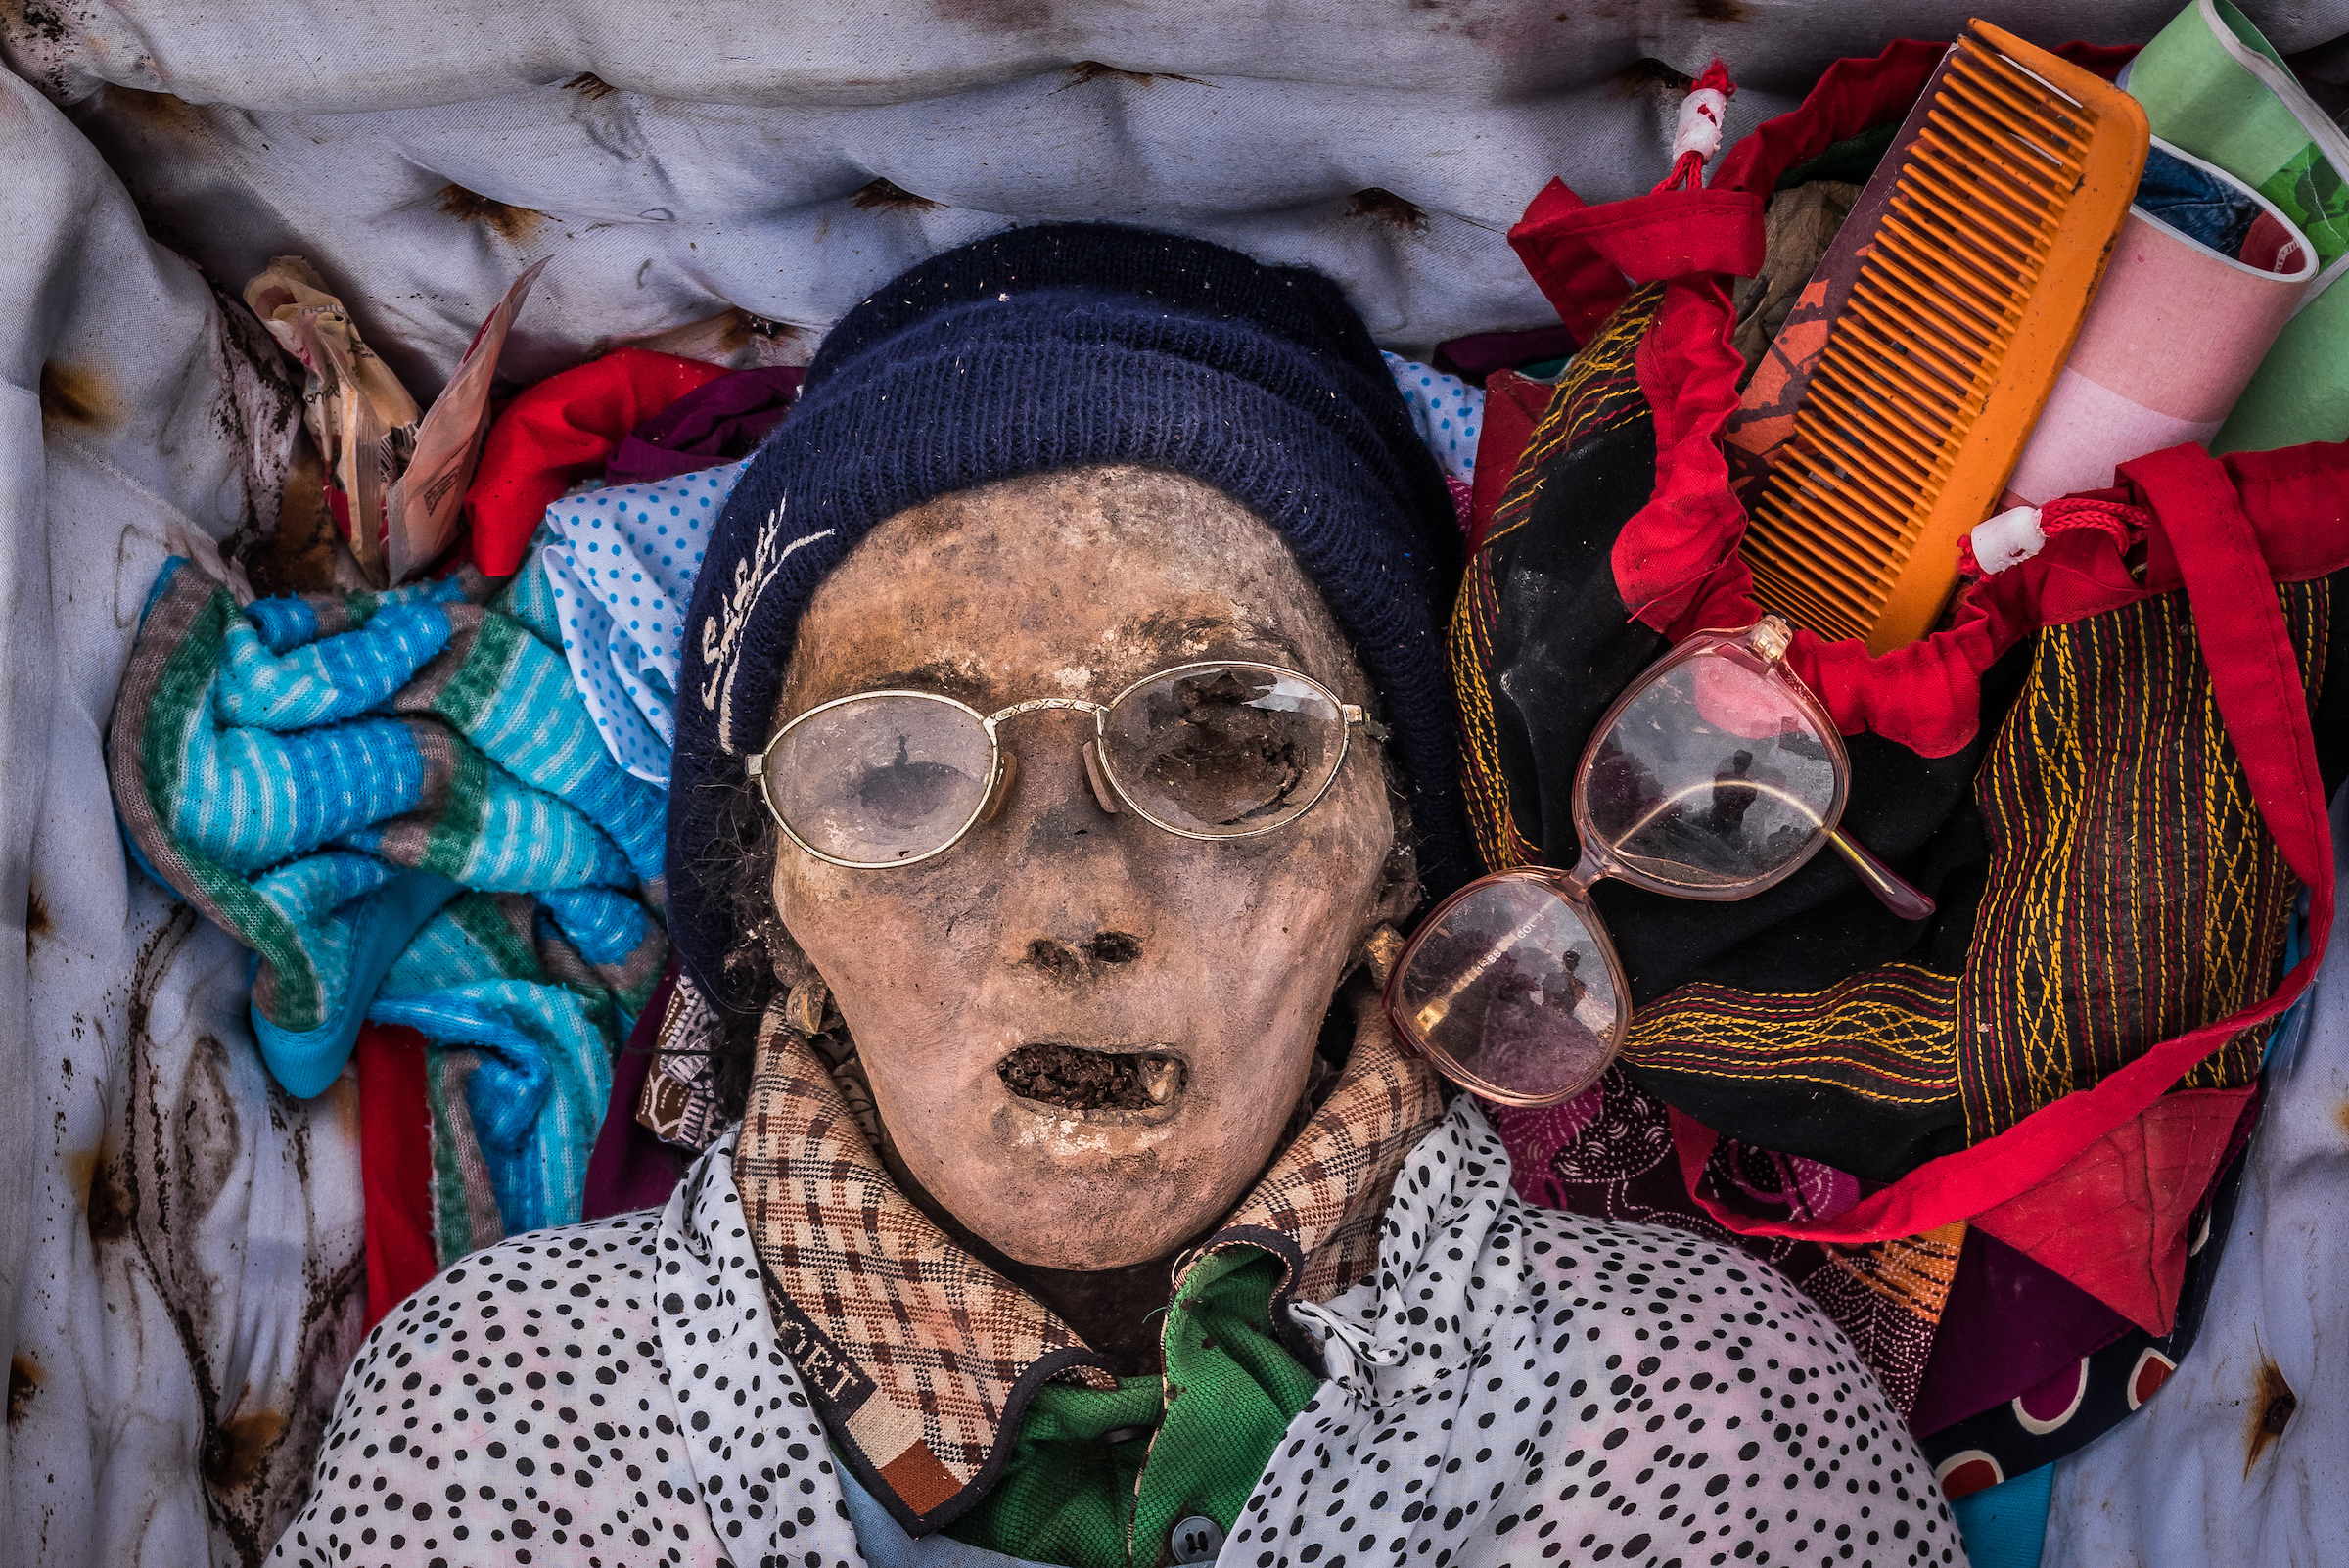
<point>1379,951</point>
<point>803,1008</point>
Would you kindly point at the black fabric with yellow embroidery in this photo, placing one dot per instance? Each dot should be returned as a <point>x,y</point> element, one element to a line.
<point>1809,1019</point>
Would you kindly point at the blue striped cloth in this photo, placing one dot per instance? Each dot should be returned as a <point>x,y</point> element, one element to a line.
<point>401,804</point>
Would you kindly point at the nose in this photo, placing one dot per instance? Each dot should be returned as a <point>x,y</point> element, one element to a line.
<point>1049,764</point>
<point>1057,959</point>
<point>1072,907</point>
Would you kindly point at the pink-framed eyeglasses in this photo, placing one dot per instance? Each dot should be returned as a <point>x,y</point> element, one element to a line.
<point>1716,775</point>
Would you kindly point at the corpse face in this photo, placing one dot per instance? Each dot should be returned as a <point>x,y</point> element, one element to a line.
<point>1085,1035</point>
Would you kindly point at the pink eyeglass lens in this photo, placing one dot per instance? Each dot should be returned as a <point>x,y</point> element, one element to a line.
<point>1715,778</point>
<point>1511,990</point>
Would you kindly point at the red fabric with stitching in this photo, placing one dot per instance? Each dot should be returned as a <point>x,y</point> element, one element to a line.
<point>1513,405</point>
<point>1675,561</point>
<point>2114,1219</point>
<point>395,1164</point>
<point>1581,257</point>
<point>559,433</point>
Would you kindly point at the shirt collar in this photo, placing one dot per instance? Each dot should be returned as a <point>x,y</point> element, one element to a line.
<point>919,1357</point>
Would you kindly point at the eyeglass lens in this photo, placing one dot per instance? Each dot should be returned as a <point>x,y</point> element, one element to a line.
<point>1224,750</point>
<point>1509,990</point>
<point>1715,775</point>
<point>880,779</point>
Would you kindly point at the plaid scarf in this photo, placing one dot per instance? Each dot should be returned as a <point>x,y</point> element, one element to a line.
<point>922,1359</point>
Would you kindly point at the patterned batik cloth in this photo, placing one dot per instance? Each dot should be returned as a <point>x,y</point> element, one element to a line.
<point>2126,893</point>
<point>1506,1385</point>
<point>2083,1400</point>
<point>397,800</point>
<point>2067,966</point>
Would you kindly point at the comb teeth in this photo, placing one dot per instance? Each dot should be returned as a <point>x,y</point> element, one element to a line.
<point>1966,303</point>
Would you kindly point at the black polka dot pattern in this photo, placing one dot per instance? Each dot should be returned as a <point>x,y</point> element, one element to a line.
<point>1523,1386</point>
<point>1514,1386</point>
<point>603,1395</point>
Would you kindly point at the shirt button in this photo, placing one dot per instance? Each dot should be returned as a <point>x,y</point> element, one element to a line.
<point>1196,1539</point>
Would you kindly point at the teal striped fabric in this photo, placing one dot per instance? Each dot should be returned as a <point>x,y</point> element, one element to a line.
<point>400,802</point>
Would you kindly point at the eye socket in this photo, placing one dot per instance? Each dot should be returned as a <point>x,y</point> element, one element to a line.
<point>1225,750</point>
<point>880,780</point>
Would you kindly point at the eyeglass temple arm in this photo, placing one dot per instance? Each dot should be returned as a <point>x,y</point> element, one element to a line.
<point>1885,883</point>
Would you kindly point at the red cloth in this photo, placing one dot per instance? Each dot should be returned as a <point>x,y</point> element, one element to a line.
<point>629,1168</point>
<point>395,1164</point>
<point>2206,537</point>
<point>1513,405</point>
<point>1587,259</point>
<point>2114,1220</point>
<point>1677,564</point>
<point>560,431</point>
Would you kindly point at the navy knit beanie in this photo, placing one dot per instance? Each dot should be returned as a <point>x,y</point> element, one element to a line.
<point>1042,349</point>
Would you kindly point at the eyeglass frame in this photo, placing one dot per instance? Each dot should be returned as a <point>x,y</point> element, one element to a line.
<point>1766,641</point>
<point>1003,764</point>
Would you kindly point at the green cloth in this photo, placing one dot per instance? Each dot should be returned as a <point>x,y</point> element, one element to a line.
<point>1853,159</point>
<point>2214,87</point>
<point>1230,1392</point>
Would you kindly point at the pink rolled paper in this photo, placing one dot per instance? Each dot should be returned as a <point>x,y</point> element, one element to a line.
<point>2170,342</point>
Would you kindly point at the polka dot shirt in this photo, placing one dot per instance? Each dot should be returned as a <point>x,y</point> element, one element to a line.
<point>1514,1385</point>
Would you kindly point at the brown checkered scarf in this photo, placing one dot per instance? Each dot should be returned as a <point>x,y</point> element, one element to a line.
<point>919,1357</point>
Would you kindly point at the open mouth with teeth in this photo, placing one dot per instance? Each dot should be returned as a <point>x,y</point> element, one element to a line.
<point>1075,1077</point>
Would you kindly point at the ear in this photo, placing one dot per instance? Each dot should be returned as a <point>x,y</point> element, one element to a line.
<point>1398,892</point>
<point>1397,901</point>
<point>791,969</point>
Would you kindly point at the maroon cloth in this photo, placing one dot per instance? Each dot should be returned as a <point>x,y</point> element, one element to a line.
<point>2008,1325</point>
<point>629,1168</point>
<point>719,422</point>
<point>1474,357</point>
<point>714,424</point>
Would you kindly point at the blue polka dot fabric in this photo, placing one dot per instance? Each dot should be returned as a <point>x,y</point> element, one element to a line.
<point>1448,412</point>
<point>621,563</point>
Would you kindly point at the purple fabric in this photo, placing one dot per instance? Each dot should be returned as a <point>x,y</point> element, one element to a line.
<point>1609,1153</point>
<point>1474,357</point>
<point>1809,1189</point>
<point>2009,1325</point>
<point>629,1168</point>
<point>714,424</point>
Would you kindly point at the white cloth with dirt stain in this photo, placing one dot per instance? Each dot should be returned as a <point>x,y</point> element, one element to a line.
<point>176,1338</point>
<point>180,1270</point>
<point>679,160</point>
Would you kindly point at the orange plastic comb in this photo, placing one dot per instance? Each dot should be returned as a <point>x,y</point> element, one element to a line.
<point>2010,183</point>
